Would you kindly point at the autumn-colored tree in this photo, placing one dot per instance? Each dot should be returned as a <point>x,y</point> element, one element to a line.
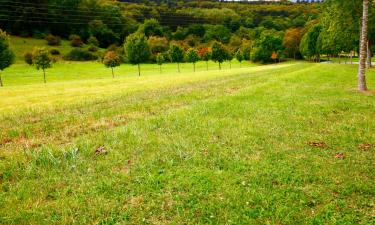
<point>292,40</point>
<point>111,60</point>
<point>205,54</point>
<point>274,56</point>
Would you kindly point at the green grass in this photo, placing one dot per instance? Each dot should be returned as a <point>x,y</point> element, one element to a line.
<point>255,145</point>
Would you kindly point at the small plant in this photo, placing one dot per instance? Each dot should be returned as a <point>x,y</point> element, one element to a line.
<point>6,55</point>
<point>192,56</point>
<point>42,60</point>
<point>111,60</point>
<point>159,60</point>
<point>53,40</point>
<point>75,40</point>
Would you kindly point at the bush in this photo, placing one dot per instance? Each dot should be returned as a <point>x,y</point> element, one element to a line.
<point>75,40</point>
<point>28,57</point>
<point>80,55</point>
<point>54,51</point>
<point>92,49</point>
<point>53,40</point>
<point>93,41</point>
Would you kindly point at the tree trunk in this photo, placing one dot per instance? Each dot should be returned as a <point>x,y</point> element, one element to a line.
<point>369,64</point>
<point>194,67</point>
<point>44,75</point>
<point>1,82</point>
<point>160,68</point>
<point>362,58</point>
<point>294,55</point>
<point>113,75</point>
<point>240,64</point>
<point>230,65</point>
<point>178,67</point>
<point>219,66</point>
<point>207,65</point>
<point>351,57</point>
<point>339,58</point>
<point>139,70</point>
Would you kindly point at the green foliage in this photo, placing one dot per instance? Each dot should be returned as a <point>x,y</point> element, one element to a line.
<point>103,33</point>
<point>151,27</point>
<point>219,53</point>
<point>239,55</point>
<point>136,49</point>
<point>93,41</point>
<point>309,46</point>
<point>42,58</point>
<point>6,55</point>
<point>79,54</point>
<point>53,40</point>
<point>217,32</point>
<point>192,55</point>
<point>158,44</point>
<point>54,51</point>
<point>268,43</point>
<point>176,53</point>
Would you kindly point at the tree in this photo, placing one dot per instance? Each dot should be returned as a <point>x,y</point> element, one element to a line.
<point>111,60</point>
<point>363,48</point>
<point>274,56</point>
<point>239,56</point>
<point>219,53</point>
<point>230,56</point>
<point>205,54</point>
<point>292,40</point>
<point>268,43</point>
<point>192,56</point>
<point>137,50</point>
<point>42,60</point>
<point>176,54</point>
<point>159,60</point>
<point>6,55</point>
<point>309,46</point>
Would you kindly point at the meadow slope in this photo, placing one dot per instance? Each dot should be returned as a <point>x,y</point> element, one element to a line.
<point>280,144</point>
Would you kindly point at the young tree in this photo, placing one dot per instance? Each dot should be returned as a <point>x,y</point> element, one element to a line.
<point>42,60</point>
<point>111,60</point>
<point>362,57</point>
<point>219,53</point>
<point>6,55</point>
<point>192,56</point>
<point>239,56</point>
<point>274,56</point>
<point>159,60</point>
<point>137,50</point>
<point>309,46</point>
<point>230,57</point>
<point>176,54</point>
<point>205,54</point>
<point>268,43</point>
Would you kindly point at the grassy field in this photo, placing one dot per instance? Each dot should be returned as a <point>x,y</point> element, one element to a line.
<point>281,144</point>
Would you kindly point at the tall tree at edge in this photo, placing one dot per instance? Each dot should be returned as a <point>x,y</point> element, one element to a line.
<point>363,49</point>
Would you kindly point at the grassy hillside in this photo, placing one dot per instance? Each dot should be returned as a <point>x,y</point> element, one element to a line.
<point>282,144</point>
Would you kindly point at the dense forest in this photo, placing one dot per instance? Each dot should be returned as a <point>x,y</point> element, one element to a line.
<point>260,32</point>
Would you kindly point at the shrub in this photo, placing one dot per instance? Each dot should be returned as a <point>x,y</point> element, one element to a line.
<point>28,57</point>
<point>75,40</point>
<point>92,49</point>
<point>80,55</point>
<point>53,40</point>
<point>93,41</point>
<point>54,51</point>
